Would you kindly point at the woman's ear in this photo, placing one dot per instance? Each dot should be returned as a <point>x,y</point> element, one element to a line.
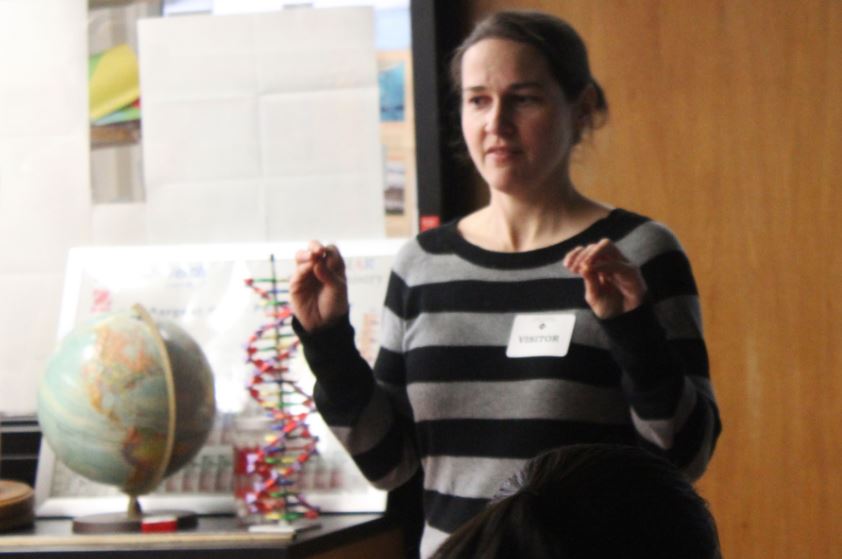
<point>586,105</point>
<point>584,110</point>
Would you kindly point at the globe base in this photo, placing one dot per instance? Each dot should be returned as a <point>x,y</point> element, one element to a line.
<point>124,522</point>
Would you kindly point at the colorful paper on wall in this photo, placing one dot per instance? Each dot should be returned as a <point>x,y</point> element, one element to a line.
<point>126,114</point>
<point>113,80</point>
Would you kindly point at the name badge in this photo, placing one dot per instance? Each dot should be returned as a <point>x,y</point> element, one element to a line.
<point>541,335</point>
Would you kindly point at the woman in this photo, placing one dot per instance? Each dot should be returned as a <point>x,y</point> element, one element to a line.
<point>541,320</point>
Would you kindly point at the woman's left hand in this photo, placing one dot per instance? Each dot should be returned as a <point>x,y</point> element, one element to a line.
<point>613,285</point>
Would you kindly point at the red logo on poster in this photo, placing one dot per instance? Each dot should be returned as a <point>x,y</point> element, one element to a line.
<point>102,301</point>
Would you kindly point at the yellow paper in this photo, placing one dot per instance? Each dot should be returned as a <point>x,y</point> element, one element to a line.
<point>114,82</point>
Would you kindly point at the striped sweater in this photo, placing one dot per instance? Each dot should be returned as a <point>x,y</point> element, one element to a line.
<point>445,397</point>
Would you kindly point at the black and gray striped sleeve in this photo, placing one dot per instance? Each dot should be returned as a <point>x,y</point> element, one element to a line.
<point>366,416</point>
<point>661,350</point>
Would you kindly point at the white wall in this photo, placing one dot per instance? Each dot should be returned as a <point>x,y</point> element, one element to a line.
<point>45,201</point>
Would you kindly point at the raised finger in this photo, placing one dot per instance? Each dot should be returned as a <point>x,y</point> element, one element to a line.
<point>580,263</point>
<point>611,266</point>
<point>586,258</point>
<point>334,259</point>
<point>303,256</point>
<point>571,256</point>
<point>605,249</point>
<point>316,249</point>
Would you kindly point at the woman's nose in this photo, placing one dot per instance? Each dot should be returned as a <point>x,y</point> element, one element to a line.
<point>498,120</point>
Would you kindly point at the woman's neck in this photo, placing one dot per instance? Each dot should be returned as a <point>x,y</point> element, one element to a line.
<point>512,224</point>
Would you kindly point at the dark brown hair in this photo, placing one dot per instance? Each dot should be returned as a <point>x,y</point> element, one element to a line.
<point>560,44</point>
<point>591,501</point>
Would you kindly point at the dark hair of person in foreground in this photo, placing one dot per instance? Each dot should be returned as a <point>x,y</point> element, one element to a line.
<point>591,501</point>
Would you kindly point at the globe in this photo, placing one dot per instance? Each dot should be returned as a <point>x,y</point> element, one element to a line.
<point>126,400</point>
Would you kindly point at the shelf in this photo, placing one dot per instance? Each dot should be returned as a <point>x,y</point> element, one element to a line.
<point>123,133</point>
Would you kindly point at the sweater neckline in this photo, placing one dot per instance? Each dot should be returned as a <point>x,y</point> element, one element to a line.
<point>529,258</point>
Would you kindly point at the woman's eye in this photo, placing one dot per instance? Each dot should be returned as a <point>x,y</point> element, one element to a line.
<point>525,99</point>
<point>476,101</point>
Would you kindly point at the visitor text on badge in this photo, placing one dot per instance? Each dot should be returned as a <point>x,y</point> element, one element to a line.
<point>541,335</point>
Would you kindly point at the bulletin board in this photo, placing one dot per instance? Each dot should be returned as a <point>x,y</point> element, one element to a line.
<point>202,288</point>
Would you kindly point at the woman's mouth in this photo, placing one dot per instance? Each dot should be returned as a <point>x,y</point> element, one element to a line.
<point>501,153</point>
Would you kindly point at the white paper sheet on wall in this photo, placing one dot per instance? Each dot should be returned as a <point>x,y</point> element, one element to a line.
<point>181,7</point>
<point>29,311</point>
<point>45,200</point>
<point>119,224</point>
<point>221,7</point>
<point>275,113</point>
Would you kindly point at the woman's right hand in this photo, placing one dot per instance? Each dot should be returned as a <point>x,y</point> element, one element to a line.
<point>318,289</point>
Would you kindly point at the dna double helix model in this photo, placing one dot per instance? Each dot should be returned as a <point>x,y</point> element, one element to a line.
<point>273,467</point>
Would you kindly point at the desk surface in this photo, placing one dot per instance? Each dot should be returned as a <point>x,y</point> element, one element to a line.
<point>215,537</point>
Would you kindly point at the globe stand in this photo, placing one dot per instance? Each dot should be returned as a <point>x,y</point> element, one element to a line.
<point>135,520</point>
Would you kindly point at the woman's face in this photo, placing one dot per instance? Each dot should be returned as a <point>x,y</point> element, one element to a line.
<point>515,119</point>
